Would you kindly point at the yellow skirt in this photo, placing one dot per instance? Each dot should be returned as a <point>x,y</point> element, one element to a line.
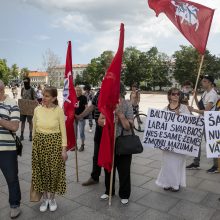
<point>48,167</point>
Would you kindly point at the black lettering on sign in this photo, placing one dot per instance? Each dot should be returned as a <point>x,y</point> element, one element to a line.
<point>214,148</point>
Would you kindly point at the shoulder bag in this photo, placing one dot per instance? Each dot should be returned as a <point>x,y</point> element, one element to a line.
<point>128,144</point>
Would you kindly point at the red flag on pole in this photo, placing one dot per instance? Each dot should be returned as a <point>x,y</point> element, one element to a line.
<point>108,99</point>
<point>69,99</point>
<point>193,20</point>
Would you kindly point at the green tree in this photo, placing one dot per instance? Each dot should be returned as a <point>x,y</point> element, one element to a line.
<point>14,71</point>
<point>133,69</point>
<point>4,71</point>
<point>157,67</point>
<point>186,64</point>
<point>97,68</point>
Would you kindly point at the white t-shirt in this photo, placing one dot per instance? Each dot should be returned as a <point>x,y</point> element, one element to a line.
<point>210,97</point>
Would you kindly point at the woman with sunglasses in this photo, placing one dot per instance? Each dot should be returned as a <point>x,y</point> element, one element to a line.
<point>173,172</point>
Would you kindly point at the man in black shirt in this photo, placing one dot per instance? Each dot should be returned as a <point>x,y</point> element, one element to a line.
<point>81,106</point>
<point>96,170</point>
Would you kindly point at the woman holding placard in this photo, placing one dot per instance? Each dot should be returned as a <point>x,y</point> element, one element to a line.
<point>173,172</point>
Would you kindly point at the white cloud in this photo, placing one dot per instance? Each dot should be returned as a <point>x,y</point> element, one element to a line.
<point>100,19</point>
<point>76,22</point>
<point>41,37</point>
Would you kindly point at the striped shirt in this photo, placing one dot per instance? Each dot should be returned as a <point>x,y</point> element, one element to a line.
<point>9,111</point>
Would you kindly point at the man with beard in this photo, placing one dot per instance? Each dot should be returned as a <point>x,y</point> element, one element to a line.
<point>27,93</point>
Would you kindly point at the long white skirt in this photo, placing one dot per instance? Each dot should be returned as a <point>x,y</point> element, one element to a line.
<point>173,170</point>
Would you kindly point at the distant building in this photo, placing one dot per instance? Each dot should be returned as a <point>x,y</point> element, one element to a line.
<point>56,77</point>
<point>38,78</point>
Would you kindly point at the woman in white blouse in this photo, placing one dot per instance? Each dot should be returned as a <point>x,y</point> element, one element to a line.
<point>173,170</point>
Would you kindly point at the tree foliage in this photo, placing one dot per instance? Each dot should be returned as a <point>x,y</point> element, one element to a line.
<point>95,71</point>
<point>186,64</point>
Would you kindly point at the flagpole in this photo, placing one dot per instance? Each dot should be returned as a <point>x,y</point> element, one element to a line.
<point>76,155</point>
<point>197,80</point>
<point>113,164</point>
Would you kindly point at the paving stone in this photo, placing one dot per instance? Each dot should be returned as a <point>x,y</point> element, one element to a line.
<point>153,173</point>
<point>211,201</point>
<point>123,212</point>
<point>141,161</point>
<point>208,176</point>
<point>216,216</point>
<point>192,181</point>
<point>137,193</point>
<point>92,200</point>
<point>139,169</point>
<point>64,206</point>
<point>158,201</point>
<point>85,213</point>
<point>152,214</point>
<point>189,211</point>
<point>138,180</point>
<point>4,200</point>
<point>74,190</point>
<point>210,186</point>
<point>155,164</point>
<point>27,213</point>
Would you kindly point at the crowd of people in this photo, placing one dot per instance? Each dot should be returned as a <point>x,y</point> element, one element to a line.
<point>48,135</point>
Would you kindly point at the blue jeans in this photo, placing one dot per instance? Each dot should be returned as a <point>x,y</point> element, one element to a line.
<point>81,125</point>
<point>9,168</point>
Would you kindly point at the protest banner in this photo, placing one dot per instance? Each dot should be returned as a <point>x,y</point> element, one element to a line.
<point>212,131</point>
<point>27,106</point>
<point>166,130</point>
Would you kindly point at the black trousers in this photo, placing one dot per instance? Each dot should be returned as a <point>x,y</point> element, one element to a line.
<point>96,170</point>
<point>9,168</point>
<point>123,165</point>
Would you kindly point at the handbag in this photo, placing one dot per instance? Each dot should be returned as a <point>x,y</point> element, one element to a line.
<point>34,195</point>
<point>128,144</point>
<point>18,144</point>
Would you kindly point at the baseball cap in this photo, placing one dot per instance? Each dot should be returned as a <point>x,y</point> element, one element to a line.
<point>208,77</point>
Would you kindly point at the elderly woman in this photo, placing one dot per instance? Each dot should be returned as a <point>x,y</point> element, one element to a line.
<point>9,122</point>
<point>124,116</point>
<point>173,171</point>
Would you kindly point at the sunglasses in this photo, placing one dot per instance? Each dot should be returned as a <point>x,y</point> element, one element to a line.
<point>175,94</point>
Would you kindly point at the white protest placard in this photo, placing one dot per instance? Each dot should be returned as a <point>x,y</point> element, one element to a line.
<point>166,130</point>
<point>212,131</point>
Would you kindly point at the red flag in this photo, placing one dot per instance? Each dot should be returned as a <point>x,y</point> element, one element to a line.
<point>108,99</point>
<point>193,20</point>
<point>69,97</point>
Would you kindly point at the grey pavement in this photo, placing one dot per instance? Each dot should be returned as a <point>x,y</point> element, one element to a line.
<point>198,201</point>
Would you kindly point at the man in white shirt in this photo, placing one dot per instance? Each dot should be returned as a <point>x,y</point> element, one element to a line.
<point>207,103</point>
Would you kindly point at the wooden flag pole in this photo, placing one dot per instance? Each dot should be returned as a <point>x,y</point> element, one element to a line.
<point>77,173</point>
<point>112,171</point>
<point>197,80</point>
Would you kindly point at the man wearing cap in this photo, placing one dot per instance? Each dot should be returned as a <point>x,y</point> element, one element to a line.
<point>207,103</point>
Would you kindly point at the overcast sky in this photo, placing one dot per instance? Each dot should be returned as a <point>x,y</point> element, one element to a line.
<point>29,27</point>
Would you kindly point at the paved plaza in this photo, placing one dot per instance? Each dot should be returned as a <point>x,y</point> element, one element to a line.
<point>198,201</point>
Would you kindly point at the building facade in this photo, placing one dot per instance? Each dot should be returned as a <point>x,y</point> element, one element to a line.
<point>56,75</point>
<point>38,78</point>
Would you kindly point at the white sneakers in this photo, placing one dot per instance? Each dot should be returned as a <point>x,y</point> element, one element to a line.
<point>44,205</point>
<point>104,197</point>
<point>124,201</point>
<point>52,205</point>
